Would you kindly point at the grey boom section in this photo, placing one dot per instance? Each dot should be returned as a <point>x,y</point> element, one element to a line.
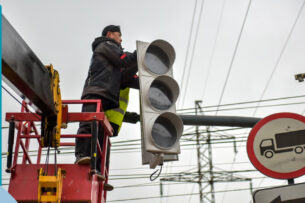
<point>24,72</point>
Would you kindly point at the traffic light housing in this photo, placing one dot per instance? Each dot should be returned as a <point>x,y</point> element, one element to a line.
<point>161,128</point>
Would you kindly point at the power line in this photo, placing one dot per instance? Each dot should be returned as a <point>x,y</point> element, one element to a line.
<point>280,56</point>
<point>178,166</point>
<point>251,107</point>
<point>248,102</point>
<point>188,44</point>
<point>213,49</point>
<point>19,101</point>
<point>179,195</point>
<point>65,148</point>
<point>153,184</point>
<point>279,59</point>
<point>136,149</point>
<point>192,54</point>
<point>213,131</point>
<point>237,108</point>
<point>234,54</point>
<point>182,173</point>
<point>184,149</point>
<point>129,149</point>
<point>168,175</point>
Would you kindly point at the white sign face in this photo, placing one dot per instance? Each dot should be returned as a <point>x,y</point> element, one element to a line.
<point>276,145</point>
<point>286,194</point>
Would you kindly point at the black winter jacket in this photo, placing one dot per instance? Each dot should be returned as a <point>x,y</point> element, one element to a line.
<point>105,71</point>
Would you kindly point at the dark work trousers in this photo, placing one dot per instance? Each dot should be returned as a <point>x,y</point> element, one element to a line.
<point>83,145</point>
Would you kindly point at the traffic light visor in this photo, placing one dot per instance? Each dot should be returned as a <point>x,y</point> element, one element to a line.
<point>159,57</point>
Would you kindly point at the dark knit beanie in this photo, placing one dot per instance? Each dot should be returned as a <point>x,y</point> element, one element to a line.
<point>111,28</point>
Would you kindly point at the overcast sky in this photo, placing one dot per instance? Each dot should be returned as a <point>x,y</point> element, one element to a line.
<point>227,51</point>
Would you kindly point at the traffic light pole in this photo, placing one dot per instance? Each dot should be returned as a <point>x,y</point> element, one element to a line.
<point>202,120</point>
<point>233,121</point>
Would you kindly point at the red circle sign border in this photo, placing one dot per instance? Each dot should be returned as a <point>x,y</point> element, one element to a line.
<point>250,149</point>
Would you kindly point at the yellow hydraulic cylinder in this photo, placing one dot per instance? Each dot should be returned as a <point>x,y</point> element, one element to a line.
<point>55,132</point>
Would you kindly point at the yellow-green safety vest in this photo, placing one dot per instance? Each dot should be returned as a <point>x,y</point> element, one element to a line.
<point>116,115</point>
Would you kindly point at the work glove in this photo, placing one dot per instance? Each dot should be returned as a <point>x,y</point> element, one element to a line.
<point>131,117</point>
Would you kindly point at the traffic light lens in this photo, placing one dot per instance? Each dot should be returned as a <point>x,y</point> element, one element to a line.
<point>164,133</point>
<point>160,95</point>
<point>156,60</point>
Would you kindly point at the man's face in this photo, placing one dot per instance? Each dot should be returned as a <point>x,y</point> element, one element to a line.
<point>116,36</point>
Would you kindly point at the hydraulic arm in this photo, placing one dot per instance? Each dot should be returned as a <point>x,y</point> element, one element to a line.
<point>28,77</point>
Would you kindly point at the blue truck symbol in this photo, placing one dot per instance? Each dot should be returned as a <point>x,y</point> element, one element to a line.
<point>283,142</point>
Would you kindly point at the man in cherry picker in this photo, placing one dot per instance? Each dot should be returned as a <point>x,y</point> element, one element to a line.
<point>109,67</point>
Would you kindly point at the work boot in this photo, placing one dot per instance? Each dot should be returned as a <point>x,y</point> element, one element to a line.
<point>108,187</point>
<point>83,160</point>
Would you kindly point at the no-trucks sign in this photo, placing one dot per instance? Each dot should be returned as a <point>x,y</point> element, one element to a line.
<point>276,145</point>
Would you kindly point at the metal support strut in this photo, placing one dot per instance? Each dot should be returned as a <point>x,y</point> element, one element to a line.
<point>11,133</point>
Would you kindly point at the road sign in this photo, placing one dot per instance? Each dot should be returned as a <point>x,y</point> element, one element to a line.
<point>276,145</point>
<point>285,194</point>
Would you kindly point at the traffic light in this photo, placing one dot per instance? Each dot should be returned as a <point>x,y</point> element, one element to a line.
<point>161,128</point>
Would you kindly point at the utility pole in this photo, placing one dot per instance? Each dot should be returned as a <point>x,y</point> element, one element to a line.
<point>211,166</point>
<point>198,138</point>
<point>204,160</point>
